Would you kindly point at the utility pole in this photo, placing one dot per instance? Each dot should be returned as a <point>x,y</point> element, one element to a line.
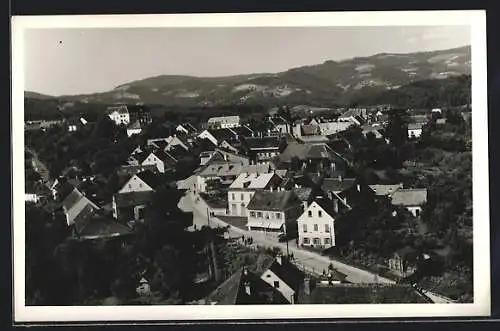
<point>208,218</point>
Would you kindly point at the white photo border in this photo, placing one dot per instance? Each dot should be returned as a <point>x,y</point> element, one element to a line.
<point>476,19</point>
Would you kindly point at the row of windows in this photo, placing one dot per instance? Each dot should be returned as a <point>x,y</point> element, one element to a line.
<point>316,241</point>
<point>242,196</point>
<point>315,228</point>
<point>260,214</point>
<point>310,213</point>
<point>266,154</point>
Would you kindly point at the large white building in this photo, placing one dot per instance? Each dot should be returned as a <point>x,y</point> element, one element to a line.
<point>119,114</point>
<point>316,225</point>
<point>224,122</point>
<point>243,188</point>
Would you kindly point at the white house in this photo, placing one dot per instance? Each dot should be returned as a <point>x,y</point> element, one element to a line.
<point>134,128</point>
<point>119,114</point>
<point>241,191</point>
<point>411,199</point>
<point>316,225</point>
<point>31,197</point>
<point>275,277</point>
<point>140,182</point>
<point>224,122</point>
<point>205,134</point>
<point>415,130</point>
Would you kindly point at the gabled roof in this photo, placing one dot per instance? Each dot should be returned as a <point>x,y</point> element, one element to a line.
<point>262,142</point>
<point>337,184</point>
<point>223,134</point>
<point>77,207</point>
<point>289,273</point>
<point>354,112</point>
<point>233,291</point>
<point>102,227</point>
<point>243,131</point>
<point>121,109</point>
<point>309,151</point>
<point>409,197</point>
<point>278,120</point>
<point>384,190</point>
<point>253,180</point>
<point>276,200</point>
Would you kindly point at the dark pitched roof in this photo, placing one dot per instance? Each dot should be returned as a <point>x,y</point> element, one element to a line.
<point>262,142</point>
<point>223,134</point>
<point>289,273</point>
<point>277,200</point>
<point>243,131</point>
<point>205,144</point>
<point>409,197</point>
<point>102,227</point>
<point>160,144</point>
<point>134,126</point>
<point>233,291</point>
<point>71,199</point>
<point>310,129</point>
<point>133,198</point>
<point>337,184</point>
<point>277,120</point>
<point>149,178</point>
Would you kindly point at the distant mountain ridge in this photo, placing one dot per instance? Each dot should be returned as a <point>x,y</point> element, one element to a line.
<point>330,82</point>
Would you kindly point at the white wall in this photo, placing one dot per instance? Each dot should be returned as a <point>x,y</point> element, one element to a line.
<point>269,277</point>
<point>154,160</point>
<point>237,201</point>
<point>135,184</point>
<point>415,132</point>
<point>320,233</point>
<point>131,132</point>
<point>207,135</point>
<point>414,210</point>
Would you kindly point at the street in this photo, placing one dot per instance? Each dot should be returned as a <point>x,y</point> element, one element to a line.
<point>310,260</point>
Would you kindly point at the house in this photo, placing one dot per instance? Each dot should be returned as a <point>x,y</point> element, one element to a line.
<point>350,192</point>
<point>356,116</point>
<point>373,129</point>
<point>186,128</point>
<point>411,199</point>
<point>223,122</point>
<point>385,191</point>
<point>404,261</point>
<point>101,227</point>
<point>280,125</point>
<point>130,206</point>
<point>316,225</point>
<point>304,155</point>
<point>331,128</point>
<point>245,288</point>
<point>243,131</point>
<point>119,114</point>
<point>134,128</point>
<point>143,116</point>
<point>162,160</point>
<point>415,130</point>
<point>273,212</point>
<point>76,124</point>
<point>436,111</point>
<point>241,191</point>
<point>216,136</point>
<point>31,197</point>
<point>263,148</point>
<point>285,277</point>
<point>143,288</point>
<point>228,146</point>
<point>168,143</point>
<point>78,209</point>
<point>300,130</point>
<point>226,172</point>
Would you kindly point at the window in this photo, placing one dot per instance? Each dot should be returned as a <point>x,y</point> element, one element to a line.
<point>242,197</point>
<point>327,241</point>
<point>278,216</point>
<point>417,212</point>
<point>327,228</point>
<point>267,216</point>
<point>306,241</point>
<point>276,284</point>
<point>129,185</point>
<point>232,196</point>
<point>310,213</point>
<point>315,227</point>
<point>304,227</point>
<point>319,213</point>
<point>252,214</point>
<point>140,184</point>
<point>316,241</point>
<point>259,214</point>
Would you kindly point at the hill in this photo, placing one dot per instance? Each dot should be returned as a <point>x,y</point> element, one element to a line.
<point>326,84</point>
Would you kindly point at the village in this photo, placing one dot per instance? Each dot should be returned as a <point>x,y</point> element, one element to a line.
<point>311,203</point>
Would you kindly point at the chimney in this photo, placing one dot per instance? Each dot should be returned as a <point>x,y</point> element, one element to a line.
<point>279,258</point>
<point>358,187</point>
<point>307,285</point>
<point>248,290</point>
<point>304,205</point>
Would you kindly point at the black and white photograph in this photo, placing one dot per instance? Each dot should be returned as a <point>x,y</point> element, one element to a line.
<point>250,166</point>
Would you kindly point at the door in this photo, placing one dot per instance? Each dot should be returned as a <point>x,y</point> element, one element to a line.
<point>243,210</point>
<point>234,209</point>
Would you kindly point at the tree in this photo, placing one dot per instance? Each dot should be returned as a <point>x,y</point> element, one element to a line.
<point>397,128</point>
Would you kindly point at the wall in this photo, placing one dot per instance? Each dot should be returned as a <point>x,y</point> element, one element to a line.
<point>154,160</point>
<point>238,201</point>
<point>414,210</point>
<point>416,133</point>
<point>135,184</point>
<point>269,277</point>
<point>321,234</point>
<point>273,218</point>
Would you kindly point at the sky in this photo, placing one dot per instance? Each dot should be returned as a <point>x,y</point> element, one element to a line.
<point>88,60</point>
